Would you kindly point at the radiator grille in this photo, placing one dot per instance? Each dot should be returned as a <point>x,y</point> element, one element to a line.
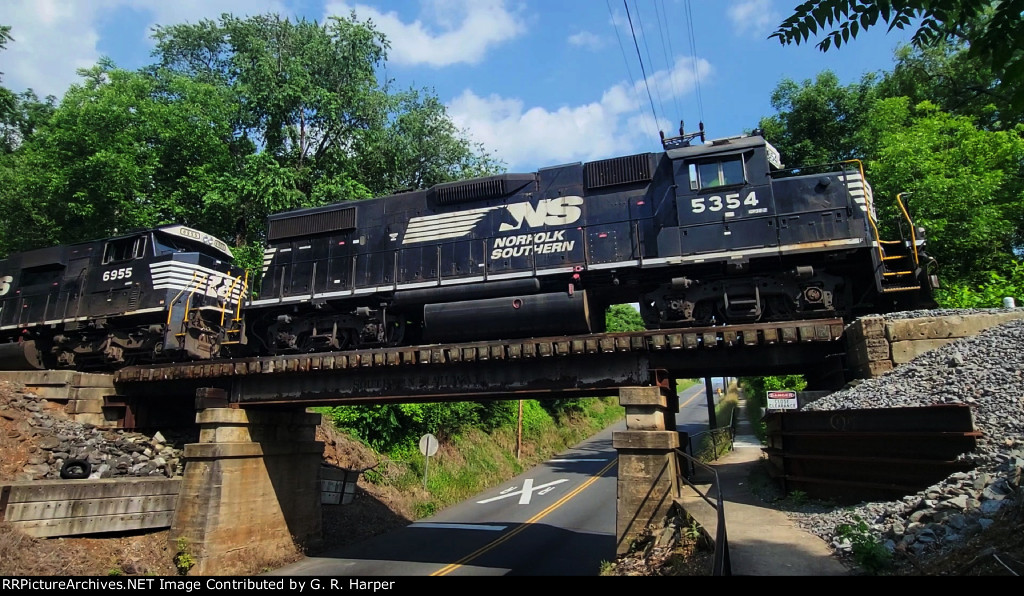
<point>312,223</point>
<point>471,191</point>
<point>621,170</point>
<point>494,187</point>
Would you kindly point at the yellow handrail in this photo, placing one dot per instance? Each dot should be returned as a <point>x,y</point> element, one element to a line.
<point>170,308</point>
<point>871,219</point>
<point>231,291</point>
<point>913,236</point>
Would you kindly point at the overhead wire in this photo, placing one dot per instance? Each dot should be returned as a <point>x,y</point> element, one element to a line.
<point>650,61</point>
<point>640,58</point>
<point>666,46</point>
<point>622,48</point>
<point>693,59</point>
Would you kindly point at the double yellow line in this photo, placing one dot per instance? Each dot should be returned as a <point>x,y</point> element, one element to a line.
<point>536,518</point>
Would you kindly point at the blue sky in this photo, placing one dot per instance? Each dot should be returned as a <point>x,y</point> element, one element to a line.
<point>538,82</point>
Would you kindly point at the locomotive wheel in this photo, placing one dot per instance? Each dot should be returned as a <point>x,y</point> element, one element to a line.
<point>395,334</point>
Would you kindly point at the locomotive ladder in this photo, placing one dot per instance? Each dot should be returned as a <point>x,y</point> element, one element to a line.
<point>898,263</point>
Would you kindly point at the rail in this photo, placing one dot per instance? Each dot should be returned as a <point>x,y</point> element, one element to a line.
<point>718,437</point>
<point>721,565</point>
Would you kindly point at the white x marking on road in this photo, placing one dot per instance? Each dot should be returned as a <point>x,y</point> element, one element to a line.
<point>527,491</point>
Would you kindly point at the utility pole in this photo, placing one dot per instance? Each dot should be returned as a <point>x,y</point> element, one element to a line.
<point>710,390</point>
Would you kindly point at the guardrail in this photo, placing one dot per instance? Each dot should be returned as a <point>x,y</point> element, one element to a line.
<point>721,566</point>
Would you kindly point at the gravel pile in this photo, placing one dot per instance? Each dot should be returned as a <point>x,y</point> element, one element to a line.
<point>55,440</point>
<point>987,373</point>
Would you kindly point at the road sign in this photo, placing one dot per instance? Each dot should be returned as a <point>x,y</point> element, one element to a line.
<point>428,445</point>
<point>782,400</point>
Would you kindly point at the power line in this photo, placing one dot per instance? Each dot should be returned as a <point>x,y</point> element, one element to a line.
<point>693,55</point>
<point>666,47</point>
<point>640,58</point>
<point>643,31</point>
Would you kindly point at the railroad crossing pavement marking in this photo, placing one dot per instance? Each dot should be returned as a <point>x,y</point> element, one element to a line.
<point>527,491</point>
<point>515,531</point>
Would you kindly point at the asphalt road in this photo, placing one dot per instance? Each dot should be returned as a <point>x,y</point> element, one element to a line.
<point>556,519</point>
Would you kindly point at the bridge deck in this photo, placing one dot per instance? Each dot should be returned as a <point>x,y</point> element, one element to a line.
<point>596,364</point>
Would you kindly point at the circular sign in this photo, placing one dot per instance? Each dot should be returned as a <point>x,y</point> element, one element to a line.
<point>428,445</point>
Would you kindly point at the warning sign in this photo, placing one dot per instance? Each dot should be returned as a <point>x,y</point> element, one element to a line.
<point>782,400</point>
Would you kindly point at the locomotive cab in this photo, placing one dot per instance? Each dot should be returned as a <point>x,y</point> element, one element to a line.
<point>759,242</point>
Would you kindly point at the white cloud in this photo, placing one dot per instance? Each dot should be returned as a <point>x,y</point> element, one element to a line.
<point>529,137</point>
<point>452,32</point>
<point>54,38</point>
<point>587,40</point>
<point>757,17</point>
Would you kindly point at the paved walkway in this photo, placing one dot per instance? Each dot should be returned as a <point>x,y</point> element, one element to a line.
<point>762,540</point>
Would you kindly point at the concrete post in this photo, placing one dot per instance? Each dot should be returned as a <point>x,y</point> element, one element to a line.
<point>250,496</point>
<point>648,475</point>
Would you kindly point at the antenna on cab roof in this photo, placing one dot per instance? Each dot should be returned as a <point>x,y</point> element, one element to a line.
<point>684,138</point>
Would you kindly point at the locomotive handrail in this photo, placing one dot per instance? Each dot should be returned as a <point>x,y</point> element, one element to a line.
<point>188,301</point>
<point>906,215</point>
<point>170,307</point>
<point>870,208</point>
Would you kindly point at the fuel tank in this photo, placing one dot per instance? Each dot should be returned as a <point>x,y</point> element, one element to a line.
<point>21,355</point>
<point>518,316</point>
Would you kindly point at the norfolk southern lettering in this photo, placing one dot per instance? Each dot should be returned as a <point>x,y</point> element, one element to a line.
<point>696,235</point>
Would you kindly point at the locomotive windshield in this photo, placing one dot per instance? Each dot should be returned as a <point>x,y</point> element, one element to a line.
<point>180,238</point>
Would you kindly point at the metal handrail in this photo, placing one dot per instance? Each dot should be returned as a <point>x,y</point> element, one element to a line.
<point>721,566</point>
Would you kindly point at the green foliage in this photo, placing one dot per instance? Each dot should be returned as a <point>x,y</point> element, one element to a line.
<point>237,119</point>
<point>392,427</point>
<point>989,294</point>
<point>868,552</point>
<point>819,121</point>
<point>623,317</point>
<point>962,184</point>
<point>991,27</point>
<point>183,559</point>
<point>535,419</point>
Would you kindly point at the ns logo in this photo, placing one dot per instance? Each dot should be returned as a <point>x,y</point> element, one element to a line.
<point>549,212</point>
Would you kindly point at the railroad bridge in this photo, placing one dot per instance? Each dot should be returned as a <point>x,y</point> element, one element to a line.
<point>257,458</point>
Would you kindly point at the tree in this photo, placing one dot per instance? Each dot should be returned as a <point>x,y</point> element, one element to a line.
<point>121,151</point>
<point>236,120</point>
<point>819,121</point>
<point>623,317</point>
<point>308,101</point>
<point>964,185</point>
<point>947,75</point>
<point>991,27</point>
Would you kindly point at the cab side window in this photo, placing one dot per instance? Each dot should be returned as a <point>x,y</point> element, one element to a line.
<point>720,172</point>
<point>124,249</point>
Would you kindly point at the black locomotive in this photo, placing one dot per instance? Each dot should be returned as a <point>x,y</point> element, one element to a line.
<point>700,235</point>
<point>696,235</point>
<point>162,294</point>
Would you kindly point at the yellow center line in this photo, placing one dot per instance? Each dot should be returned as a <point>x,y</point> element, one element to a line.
<point>483,549</point>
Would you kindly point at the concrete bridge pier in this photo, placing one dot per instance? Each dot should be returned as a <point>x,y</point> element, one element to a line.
<point>648,478</point>
<point>250,492</point>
